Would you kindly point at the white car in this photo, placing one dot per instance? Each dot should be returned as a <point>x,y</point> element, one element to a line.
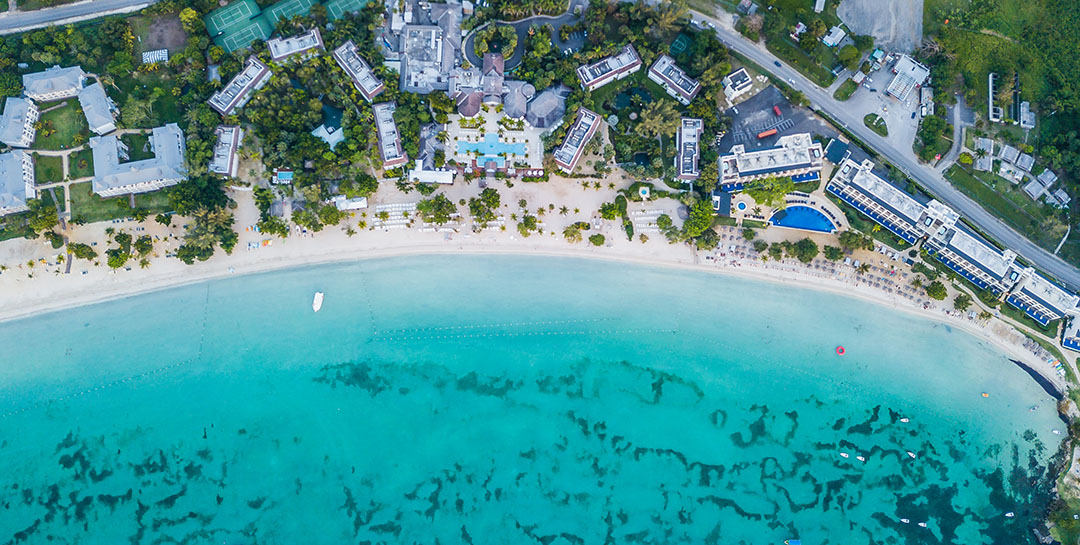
<point>791,81</point>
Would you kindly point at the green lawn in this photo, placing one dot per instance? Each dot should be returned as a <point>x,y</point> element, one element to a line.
<point>1004,200</point>
<point>81,164</point>
<point>27,5</point>
<point>138,146</point>
<point>48,169</point>
<point>62,128</point>
<point>845,90</point>
<point>85,205</point>
<point>807,65</point>
<point>876,124</point>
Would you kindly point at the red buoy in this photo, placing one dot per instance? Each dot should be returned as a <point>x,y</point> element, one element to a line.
<point>839,350</point>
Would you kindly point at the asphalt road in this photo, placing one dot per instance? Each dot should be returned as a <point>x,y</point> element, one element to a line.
<point>905,160</point>
<point>21,20</point>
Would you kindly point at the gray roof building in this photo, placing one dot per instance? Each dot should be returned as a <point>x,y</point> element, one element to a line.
<point>1009,154</point>
<point>393,154</point>
<point>430,51</point>
<point>688,150</point>
<point>909,75</point>
<point>609,69</point>
<point>165,168</point>
<point>349,59</point>
<point>737,83</point>
<point>516,97</point>
<point>240,88</point>
<point>283,48</point>
<point>16,182</point>
<point>672,78</point>
<point>225,160</point>
<point>583,129</point>
<point>98,108</point>
<point>547,109</point>
<point>17,122</point>
<point>54,83</point>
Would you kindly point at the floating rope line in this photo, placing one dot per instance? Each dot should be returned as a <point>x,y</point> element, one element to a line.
<point>128,379</point>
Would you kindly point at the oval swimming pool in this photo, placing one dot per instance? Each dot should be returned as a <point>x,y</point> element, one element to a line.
<point>803,217</point>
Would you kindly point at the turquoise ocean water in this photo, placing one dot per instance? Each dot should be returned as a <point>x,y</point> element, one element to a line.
<point>511,400</point>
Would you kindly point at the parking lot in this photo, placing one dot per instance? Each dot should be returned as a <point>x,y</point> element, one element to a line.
<point>870,98</point>
<point>756,115</point>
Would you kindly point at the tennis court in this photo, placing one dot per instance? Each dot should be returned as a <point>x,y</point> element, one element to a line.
<point>335,9</point>
<point>234,14</point>
<point>680,44</point>
<point>242,37</point>
<point>287,9</point>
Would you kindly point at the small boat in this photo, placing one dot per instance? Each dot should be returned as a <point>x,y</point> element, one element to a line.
<point>860,458</point>
<point>844,455</point>
<point>912,454</point>
<point>905,521</point>
<point>922,525</point>
<point>316,304</point>
<point>1010,514</point>
<point>1056,432</point>
<point>1034,408</point>
<point>905,420</point>
<point>792,542</point>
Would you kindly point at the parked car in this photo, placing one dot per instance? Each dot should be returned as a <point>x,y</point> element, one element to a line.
<point>777,63</point>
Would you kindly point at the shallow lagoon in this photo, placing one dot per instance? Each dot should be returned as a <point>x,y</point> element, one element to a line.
<point>511,399</point>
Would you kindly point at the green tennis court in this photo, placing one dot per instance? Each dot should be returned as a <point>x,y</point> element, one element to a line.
<point>242,37</point>
<point>286,9</point>
<point>234,14</point>
<point>682,41</point>
<point>335,9</point>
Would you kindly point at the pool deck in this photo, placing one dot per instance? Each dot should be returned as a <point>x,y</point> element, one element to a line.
<point>516,146</point>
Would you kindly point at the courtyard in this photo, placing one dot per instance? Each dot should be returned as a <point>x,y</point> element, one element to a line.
<point>492,138</point>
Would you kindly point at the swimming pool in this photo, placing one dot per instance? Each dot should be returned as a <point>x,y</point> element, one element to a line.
<point>491,149</point>
<point>803,217</point>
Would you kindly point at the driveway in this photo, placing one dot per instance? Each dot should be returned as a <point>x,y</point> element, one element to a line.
<point>522,29</point>
<point>902,127</point>
<point>19,21</point>
<point>903,158</point>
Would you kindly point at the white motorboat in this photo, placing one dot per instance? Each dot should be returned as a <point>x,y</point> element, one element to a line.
<point>912,454</point>
<point>316,304</point>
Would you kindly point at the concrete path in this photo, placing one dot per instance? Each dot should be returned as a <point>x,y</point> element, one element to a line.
<point>905,160</point>
<point>20,21</point>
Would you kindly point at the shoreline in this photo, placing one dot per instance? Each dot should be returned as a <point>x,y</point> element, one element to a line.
<point>323,249</point>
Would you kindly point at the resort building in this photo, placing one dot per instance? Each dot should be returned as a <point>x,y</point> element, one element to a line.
<point>283,48</point>
<point>910,74</point>
<point>239,89</point>
<point>583,129</point>
<point>165,168</point>
<point>964,251</point>
<point>343,203</point>
<point>16,182</point>
<point>737,84</point>
<point>1027,117</point>
<point>225,160</point>
<point>1070,338</point>
<point>99,110</point>
<point>890,206</point>
<point>672,78</point>
<point>616,67</point>
<point>54,83</point>
<point>429,46</point>
<point>440,176</point>
<point>546,110</point>
<point>689,149</point>
<point>794,155</point>
<point>1041,299</point>
<point>349,59</point>
<point>17,122</point>
<point>470,89</point>
<point>393,155</point>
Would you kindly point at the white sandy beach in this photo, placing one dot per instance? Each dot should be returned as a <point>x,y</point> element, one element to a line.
<point>26,291</point>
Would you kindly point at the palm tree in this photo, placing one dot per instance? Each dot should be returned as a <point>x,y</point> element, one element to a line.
<point>572,234</point>
<point>863,269</point>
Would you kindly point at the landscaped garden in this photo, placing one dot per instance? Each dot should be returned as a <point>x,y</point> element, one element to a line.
<point>138,146</point>
<point>62,127</point>
<point>81,163</point>
<point>48,169</point>
<point>876,124</point>
<point>88,207</point>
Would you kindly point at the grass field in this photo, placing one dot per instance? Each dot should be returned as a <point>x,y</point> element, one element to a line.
<point>845,90</point>
<point>1003,200</point>
<point>138,146</point>
<point>81,164</point>
<point>87,206</point>
<point>805,64</point>
<point>61,126</point>
<point>48,169</point>
<point>876,124</point>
